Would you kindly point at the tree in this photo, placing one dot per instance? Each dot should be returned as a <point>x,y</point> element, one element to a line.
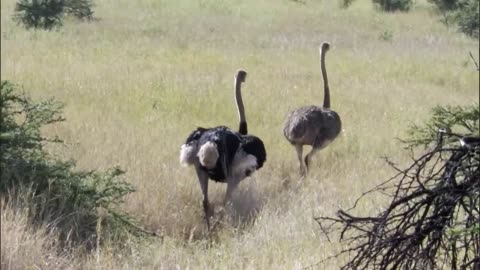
<point>48,14</point>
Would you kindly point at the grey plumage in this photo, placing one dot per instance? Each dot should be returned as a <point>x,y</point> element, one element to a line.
<point>313,125</point>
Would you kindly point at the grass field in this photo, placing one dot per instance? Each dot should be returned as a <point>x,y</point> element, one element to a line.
<point>136,81</point>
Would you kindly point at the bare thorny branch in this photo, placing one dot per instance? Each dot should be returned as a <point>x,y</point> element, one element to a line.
<point>474,61</point>
<point>432,220</point>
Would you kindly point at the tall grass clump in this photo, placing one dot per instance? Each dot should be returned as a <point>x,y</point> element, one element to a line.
<point>81,205</point>
<point>25,247</point>
<point>47,14</point>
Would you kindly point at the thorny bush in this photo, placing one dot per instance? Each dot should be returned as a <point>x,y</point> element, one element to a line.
<point>433,218</point>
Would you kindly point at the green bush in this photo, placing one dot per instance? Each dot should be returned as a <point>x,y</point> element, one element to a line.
<point>346,3</point>
<point>457,119</point>
<point>393,5</point>
<point>44,14</point>
<point>386,5</point>
<point>468,18</point>
<point>80,9</point>
<point>76,203</point>
<point>48,14</point>
<point>445,4</point>
<point>464,13</point>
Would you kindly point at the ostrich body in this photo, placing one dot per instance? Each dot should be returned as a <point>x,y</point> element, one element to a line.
<point>313,125</point>
<point>223,155</point>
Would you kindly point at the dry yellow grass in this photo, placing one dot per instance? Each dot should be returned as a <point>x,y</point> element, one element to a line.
<point>23,247</point>
<point>139,79</point>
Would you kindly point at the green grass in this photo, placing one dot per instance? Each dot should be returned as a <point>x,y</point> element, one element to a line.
<point>146,73</point>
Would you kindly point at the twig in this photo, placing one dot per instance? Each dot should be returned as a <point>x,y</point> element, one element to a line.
<point>474,61</point>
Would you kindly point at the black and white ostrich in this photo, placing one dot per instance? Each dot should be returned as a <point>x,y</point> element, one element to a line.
<point>313,125</point>
<point>223,155</point>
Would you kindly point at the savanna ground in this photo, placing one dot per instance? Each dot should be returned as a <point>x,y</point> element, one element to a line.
<point>136,81</point>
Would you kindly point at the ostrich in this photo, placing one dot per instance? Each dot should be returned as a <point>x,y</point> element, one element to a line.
<point>313,125</point>
<point>223,155</point>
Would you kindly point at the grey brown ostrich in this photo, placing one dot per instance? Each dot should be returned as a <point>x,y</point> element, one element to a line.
<point>313,125</point>
<point>223,155</point>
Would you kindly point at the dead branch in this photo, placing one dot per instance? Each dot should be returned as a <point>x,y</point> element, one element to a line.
<point>431,222</point>
<point>474,61</point>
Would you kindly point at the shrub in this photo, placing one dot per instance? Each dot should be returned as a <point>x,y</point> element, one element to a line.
<point>44,14</point>
<point>464,120</point>
<point>393,5</point>
<point>346,3</point>
<point>386,35</point>
<point>75,203</point>
<point>80,9</point>
<point>468,18</point>
<point>386,5</point>
<point>48,14</point>
<point>445,4</point>
<point>464,13</point>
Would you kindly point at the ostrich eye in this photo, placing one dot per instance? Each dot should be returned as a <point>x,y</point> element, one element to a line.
<point>249,171</point>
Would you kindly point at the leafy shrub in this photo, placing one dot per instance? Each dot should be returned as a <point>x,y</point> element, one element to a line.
<point>44,14</point>
<point>80,9</point>
<point>386,5</point>
<point>464,13</point>
<point>346,3</point>
<point>48,14</point>
<point>468,18</point>
<point>76,203</point>
<point>445,4</point>
<point>393,5</point>
<point>386,35</point>
<point>458,119</point>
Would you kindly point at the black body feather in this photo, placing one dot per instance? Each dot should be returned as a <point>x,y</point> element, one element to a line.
<point>228,143</point>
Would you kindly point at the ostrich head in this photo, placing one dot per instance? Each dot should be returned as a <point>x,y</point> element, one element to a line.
<point>241,75</point>
<point>325,47</point>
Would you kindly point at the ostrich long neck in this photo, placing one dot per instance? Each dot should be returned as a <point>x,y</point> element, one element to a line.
<point>242,129</point>
<point>326,98</point>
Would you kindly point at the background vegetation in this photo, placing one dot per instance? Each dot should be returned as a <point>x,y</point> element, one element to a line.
<point>47,14</point>
<point>463,13</point>
<point>137,80</point>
